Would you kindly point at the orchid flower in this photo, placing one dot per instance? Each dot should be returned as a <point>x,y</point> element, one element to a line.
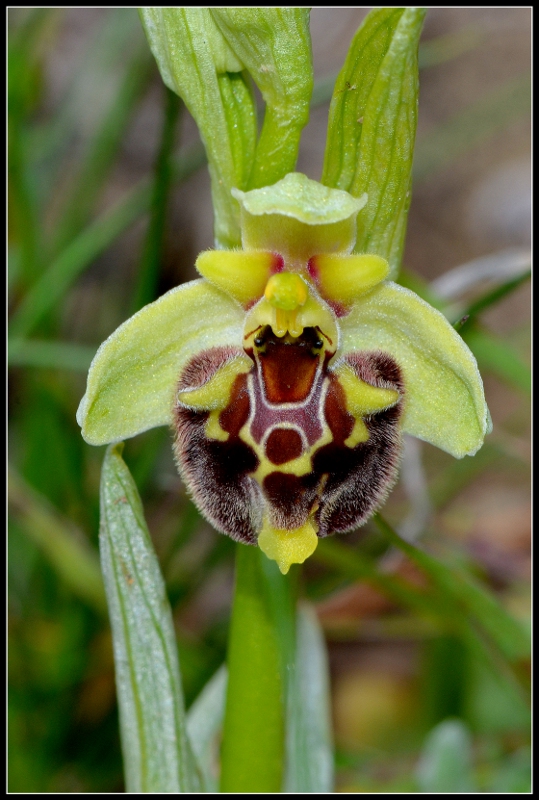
<point>288,373</point>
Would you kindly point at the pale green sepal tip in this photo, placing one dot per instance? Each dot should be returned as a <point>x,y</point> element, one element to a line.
<point>132,379</point>
<point>444,398</point>
<point>303,199</point>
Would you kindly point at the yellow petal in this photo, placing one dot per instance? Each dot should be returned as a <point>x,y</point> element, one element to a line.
<point>343,278</point>
<point>241,274</point>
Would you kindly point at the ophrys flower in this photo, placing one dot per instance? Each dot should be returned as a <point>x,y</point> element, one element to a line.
<point>289,373</point>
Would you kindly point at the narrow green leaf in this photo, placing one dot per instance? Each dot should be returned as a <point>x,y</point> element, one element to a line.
<point>88,245</point>
<point>204,724</point>
<point>372,124</point>
<point>196,62</point>
<point>156,751</point>
<point>49,355</point>
<point>274,44</point>
<point>445,765</point>
<point>310,761</point>
<point>79,254</point>
<point>497,356</point>
<point>148,275</point>
<point>492,297</point>
<point>474,601</point>
<point>253,737</point>
<point>95,166</point>
<point>450,45</point>
<point>513,775</point>
<point>74,560</point>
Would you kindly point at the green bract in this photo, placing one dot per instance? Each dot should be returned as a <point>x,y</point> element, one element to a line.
<point>131,384</point>
<point>206,56</point>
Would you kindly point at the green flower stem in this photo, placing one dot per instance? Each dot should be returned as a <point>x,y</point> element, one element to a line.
<point>253,735</point>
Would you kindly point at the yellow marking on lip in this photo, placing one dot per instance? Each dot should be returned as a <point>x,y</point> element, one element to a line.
<point>363,399</point>
<point>213,428</point>
<point>302,465</point>
<point>360,433</point>
<point>288,547</point>
<point>215,393</point>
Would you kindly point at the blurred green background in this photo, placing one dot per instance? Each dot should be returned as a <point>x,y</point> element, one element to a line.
<point>109,204</point>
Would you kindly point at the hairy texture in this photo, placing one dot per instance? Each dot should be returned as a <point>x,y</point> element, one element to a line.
<point>281,447</point>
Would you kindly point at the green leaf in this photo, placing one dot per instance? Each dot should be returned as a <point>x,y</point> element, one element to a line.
<point>204,723</point>
<point>372,125</point>
<point>274,44</point>
<point>156,751</point>
<point>445,765</point>
<point>196,62</point>
<point>133,376</point>
<point>150,266</point>
<point>95,165</point>
<point>473,601</point>
<point>55,355</point>
<point>514,774</point>
<point>253,737</point>
<point>495,295</point>
<point>88,245</point>
<point>499,357</point>
<point>310,761</point>
<point>445,403</point>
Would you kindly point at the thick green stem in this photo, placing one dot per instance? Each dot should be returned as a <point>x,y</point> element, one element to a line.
<point>253,737</point>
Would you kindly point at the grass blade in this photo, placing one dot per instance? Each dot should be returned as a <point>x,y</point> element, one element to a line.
<point>473,600</point>
<point>148,276</point>
<point>310,761</point>
<point>445,765</point>
<point>204,723</point>
<point>497,356</point>
<point>66,547</point>
<point>157,755</point>
<point>50,355</point>
<point>89,244</point>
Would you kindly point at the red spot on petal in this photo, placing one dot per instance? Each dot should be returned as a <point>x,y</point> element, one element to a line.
<point>283,444</point>
<point>340,422</point>
<point>236,414</point>
<point>278,264</point>
<point>312,269</point>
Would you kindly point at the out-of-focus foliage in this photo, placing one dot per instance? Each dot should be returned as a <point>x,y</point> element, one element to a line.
<point>96,149</point>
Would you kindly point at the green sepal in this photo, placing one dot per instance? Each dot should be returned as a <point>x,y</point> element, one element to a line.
<point>197,63</point>
<point>298,218</point>
<point>444,398</point>
<point>274,44</point>
<point>133,377</point>
<point>372,125</point>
